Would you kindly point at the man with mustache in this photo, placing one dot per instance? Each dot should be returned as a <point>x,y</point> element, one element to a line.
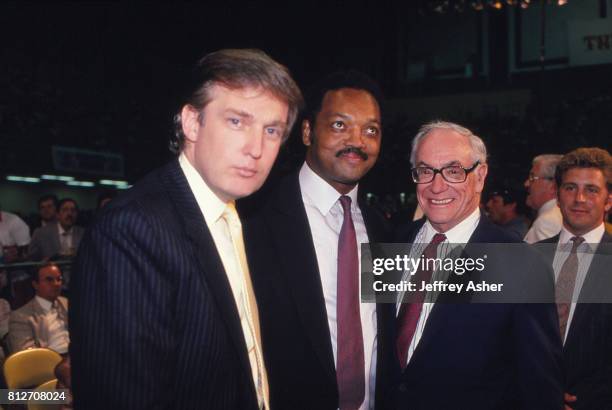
<point>58,239</point>
<point>303,247</point>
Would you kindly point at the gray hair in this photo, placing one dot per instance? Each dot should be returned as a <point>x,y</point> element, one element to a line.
<point>479,150</point>
<point>549,164</point>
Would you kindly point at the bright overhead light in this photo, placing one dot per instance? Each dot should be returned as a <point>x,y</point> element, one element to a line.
<point>124,186</point>
<point>112,182</point>
<point>86,184</point>
<point>50,177</point>
<point>17,178</point>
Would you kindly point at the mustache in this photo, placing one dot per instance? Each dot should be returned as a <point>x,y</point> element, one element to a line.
<point>352,150</point>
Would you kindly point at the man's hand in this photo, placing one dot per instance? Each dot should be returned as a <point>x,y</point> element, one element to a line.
<point>568,398</point>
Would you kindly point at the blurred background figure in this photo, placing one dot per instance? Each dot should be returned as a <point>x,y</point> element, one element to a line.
<point>5,313</point>
<point>542,198</point>
<point>61,238</point>
<point>43,321</point>
<point>14,237</point>
<point>503,209</point>
<point>47,211</point>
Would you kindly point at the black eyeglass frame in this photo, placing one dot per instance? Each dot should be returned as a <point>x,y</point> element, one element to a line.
<point>441,172</point>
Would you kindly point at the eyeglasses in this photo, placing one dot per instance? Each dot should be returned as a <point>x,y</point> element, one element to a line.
<point>53,279</point>
<point>532,178</point>
<point>453,173</point>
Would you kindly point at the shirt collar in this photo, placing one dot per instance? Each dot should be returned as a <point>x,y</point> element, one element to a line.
<point>317,192</point>
<point>62,230</point>
<point>44,303</point>
<point>592,237</point>
<point>547,206</point>
<point>459,233</point>
<point>210,205</point>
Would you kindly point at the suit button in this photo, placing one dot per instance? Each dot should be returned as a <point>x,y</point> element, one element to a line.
<point>403,388</point>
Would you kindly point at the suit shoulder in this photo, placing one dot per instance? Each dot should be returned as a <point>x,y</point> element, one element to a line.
<point>63,301</point>
<point>44,230</point>
<point>24,311</point>
<point>147,198</point>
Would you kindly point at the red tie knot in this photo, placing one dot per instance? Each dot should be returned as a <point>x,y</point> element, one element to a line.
<point>438,239</point>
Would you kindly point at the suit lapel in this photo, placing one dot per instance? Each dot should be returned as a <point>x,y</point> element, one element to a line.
<point>292,237</point>
<point>209,261</point>
<point>437,319</point>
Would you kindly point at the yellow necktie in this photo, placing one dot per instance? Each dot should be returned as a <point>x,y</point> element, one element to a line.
<point>235,229</point>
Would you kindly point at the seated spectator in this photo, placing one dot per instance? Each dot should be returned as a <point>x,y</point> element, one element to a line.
<point>502,210</point>
<point>43,321</point>
<point>14,237</point>
<point>61,238</point>
<point>47,211</point>
<point>5,313</point>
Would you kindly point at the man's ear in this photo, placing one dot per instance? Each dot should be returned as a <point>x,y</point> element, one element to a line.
<point>190,122</point>
<point>306,133</point>
<point>608,204</point>
<point>481,175</point>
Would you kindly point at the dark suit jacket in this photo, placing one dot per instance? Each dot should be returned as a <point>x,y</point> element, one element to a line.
<point>587,352</point>
<point>153,321</point>
<point>286,278</point>
<point>46,242</point>
<point>485,356</point>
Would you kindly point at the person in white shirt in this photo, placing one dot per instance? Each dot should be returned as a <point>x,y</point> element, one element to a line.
<point>581,264</point>
<point>14,236</point>
<point>542,198</point>
<point>43,321</point>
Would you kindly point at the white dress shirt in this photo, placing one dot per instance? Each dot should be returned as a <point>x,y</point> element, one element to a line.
<point>325,216</point>
<point>56,327</point>
<point>13,231</point>
<point>459,234</point>
<point>547,224</point>
<point>66,241</point>
<point>585,253</point>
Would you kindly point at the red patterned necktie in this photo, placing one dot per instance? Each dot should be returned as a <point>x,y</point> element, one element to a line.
<point>409,313</point>
<point>350,373</point>
<point>564,288</point>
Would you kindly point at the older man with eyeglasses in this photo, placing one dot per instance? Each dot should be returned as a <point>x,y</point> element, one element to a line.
<point>542,198</point>
<point>458,353</point>
<point>43,321</point>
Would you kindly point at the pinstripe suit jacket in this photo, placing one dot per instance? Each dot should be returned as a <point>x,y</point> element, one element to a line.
<point>153,322</point>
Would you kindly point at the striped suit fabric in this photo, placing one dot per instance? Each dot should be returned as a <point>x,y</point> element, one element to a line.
<point>153,322</point>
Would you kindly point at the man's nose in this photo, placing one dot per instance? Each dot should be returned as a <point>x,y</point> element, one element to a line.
<point>438,184</point>
<point>355,137</point>
<point>254,143</point>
